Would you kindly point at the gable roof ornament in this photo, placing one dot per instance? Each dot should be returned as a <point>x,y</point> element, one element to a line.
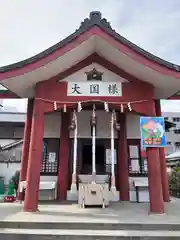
<point>95,18</point>
<point>94,75</point>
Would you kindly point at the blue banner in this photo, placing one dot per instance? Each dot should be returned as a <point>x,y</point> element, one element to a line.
<point>152,132</point>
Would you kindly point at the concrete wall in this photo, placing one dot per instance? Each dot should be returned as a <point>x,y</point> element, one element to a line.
<point>52,128</point>
<point>103,125</point>
<point>133,126</point>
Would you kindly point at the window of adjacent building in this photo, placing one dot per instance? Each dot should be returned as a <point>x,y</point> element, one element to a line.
<point>177,131</point>
<point>7,132</point>
<point>177,144</point>
<point>176,119</point>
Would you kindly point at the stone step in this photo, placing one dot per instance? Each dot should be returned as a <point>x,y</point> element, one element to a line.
<point>90,226</point>
<point>39,234</point>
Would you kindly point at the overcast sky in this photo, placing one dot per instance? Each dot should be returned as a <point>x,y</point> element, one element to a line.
<point>30,26</point>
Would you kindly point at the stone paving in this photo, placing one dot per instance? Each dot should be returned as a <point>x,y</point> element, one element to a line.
<point>116,213</point>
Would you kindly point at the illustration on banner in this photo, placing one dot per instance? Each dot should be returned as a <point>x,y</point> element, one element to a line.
<point>152,132</point>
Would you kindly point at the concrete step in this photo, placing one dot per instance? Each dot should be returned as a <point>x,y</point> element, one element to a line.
<point>89,226</point>
<point>39,234</point>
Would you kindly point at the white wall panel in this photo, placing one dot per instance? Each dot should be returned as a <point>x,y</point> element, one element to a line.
<point>108,76</point>
<point>133,126</point>
<point>52,125</point>
<point>103,124</point>
<point>48,178</point>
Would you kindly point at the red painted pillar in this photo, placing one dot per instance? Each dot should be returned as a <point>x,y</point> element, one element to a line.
<point>154,178</point>
<point>64,150</point>
<point>164,175</point>
<point>35,158</point>
<point>26,143</point>
<point>123,168</point>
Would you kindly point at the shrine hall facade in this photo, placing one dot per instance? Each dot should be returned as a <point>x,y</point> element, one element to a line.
<point>85,98</point>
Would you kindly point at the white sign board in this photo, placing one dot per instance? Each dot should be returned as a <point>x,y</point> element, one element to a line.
<point>141,182</point>
<point>52,157</point>
<point>134,151</point>
<point>94,89</point>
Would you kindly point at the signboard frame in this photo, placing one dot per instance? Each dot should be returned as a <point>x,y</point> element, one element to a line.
<point>152,132</point>
<point>94,89</point>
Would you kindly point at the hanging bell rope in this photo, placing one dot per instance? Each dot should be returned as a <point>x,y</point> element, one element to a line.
<point>122,108</point>
<point>55,105</point>
<point>116,125</point>
<point>93,118</point>
<point>129,107</point>
<point>79,107</point>
<point>73,122</point>
<point>106,107</point>
<point>64,108</point>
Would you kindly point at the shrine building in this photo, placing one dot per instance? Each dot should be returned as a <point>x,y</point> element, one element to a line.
<point>85,98</point>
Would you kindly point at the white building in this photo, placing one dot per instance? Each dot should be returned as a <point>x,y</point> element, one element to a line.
<point>173,134</point>
<point>11,134</point>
